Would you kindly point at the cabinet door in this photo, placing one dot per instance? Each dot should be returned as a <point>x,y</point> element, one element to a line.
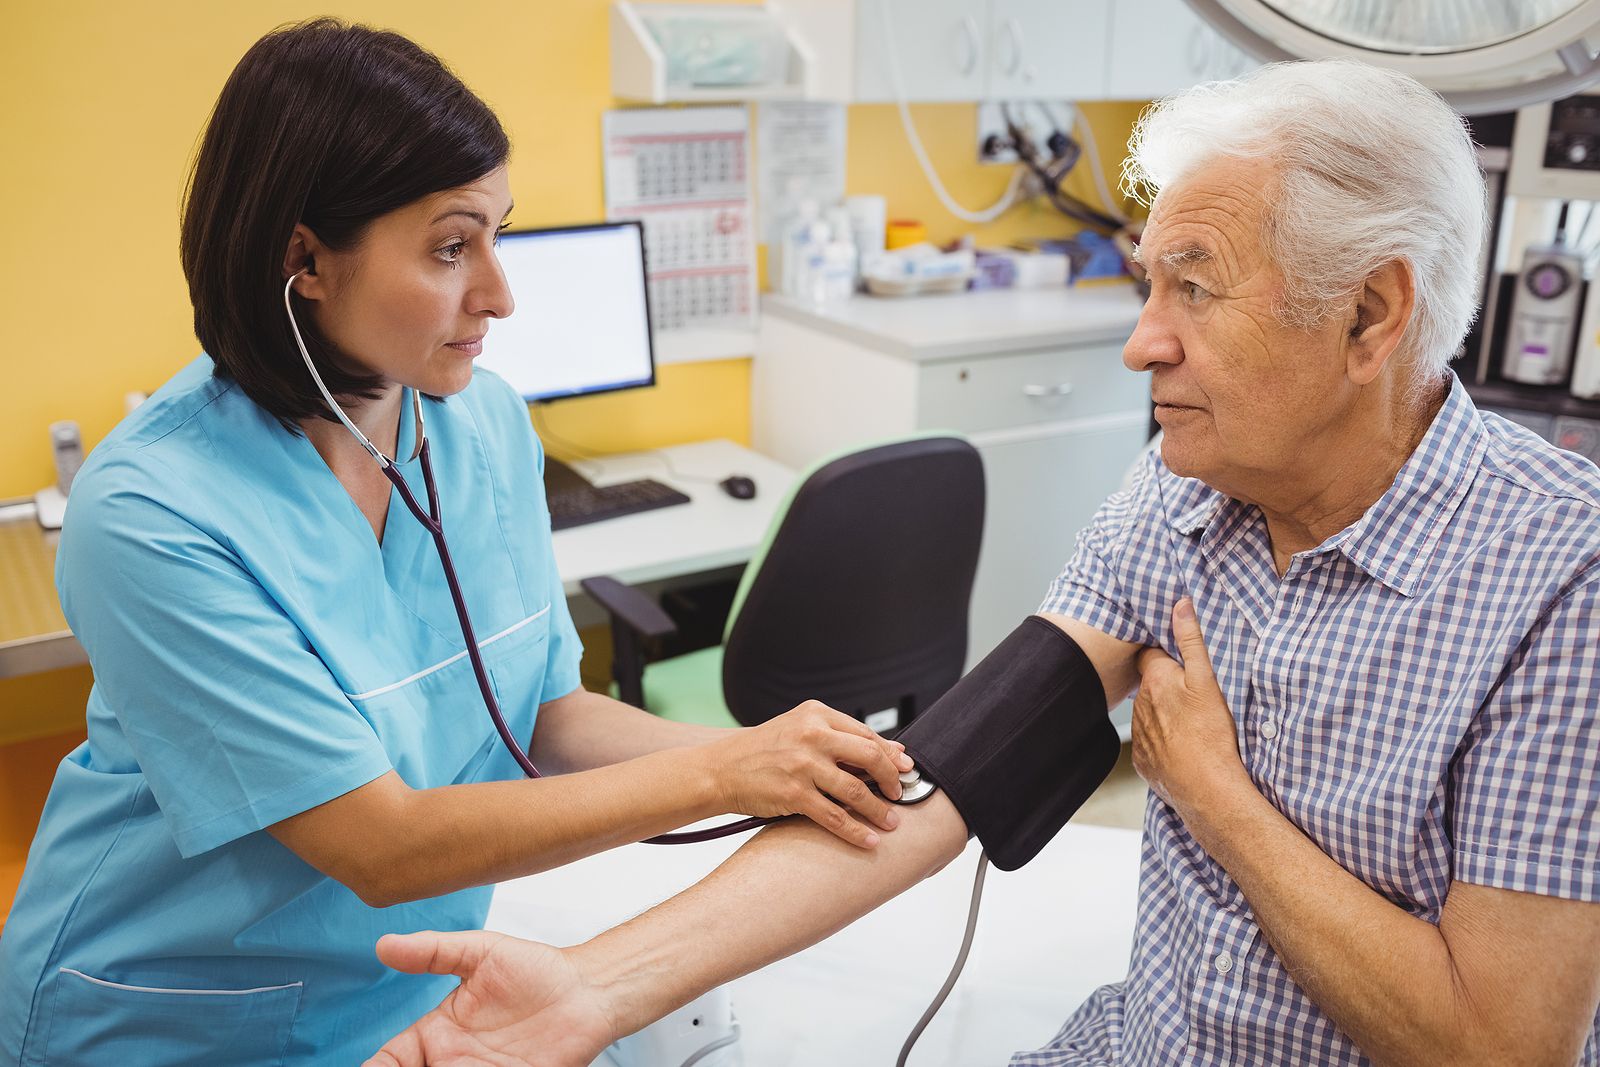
<point>1042,489</point>
<point>1160,46</point>
<point>939,44</point>
<point>1048,49</point>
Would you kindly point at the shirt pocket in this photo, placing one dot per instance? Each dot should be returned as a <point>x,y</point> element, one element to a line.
<point>95,1021</point>
<point>433,723</point>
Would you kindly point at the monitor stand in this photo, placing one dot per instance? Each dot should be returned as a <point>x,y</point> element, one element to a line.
<point>560,478</point>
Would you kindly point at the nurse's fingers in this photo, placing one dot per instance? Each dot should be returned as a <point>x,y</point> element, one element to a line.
<point>834,819</point>
<point>851,725</point>
<point>432,952</point>
<point>852,792</point>
<point>871,757</point>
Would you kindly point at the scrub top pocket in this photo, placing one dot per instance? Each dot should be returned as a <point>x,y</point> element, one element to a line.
<point>96,1022</point>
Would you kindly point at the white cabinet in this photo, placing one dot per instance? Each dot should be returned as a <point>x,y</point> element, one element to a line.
<point>1161,46</point>
<point>954,50</point>
<point>941,47</point>
<point>1033,378</point>
<point>1047,49</point>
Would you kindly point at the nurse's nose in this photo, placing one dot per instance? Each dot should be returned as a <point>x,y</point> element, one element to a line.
<point>490,295</point>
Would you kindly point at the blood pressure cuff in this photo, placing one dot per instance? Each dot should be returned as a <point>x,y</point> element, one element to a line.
<point>1020,742</point>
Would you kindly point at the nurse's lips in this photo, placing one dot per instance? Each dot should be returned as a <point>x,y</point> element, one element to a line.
<point>470,347</point>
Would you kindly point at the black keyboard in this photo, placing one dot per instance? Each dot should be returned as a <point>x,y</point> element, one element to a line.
<point>592,503</point>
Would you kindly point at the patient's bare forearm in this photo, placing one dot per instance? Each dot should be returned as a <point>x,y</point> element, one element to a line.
<point>788,888</point>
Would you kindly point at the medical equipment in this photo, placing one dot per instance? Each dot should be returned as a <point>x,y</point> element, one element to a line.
<point>433,523</point>
<point>1544,312</point>
<point>1024,738</point>
<point>1020,742</point>
<point>1586,363</point>
<point>702,1033</point>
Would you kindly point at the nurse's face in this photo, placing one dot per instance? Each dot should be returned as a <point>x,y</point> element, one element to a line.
<point>412,301</point>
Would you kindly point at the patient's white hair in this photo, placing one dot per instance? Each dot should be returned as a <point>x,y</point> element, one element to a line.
<point>1371,167</point>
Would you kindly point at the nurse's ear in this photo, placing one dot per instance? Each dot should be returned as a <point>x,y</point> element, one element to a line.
<point>301,258</point>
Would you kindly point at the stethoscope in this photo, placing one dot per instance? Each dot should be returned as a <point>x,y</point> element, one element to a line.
<point>432,522</point>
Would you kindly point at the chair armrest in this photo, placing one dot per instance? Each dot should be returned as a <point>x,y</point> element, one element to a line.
<point>627,605</point>
<point>634,617</point>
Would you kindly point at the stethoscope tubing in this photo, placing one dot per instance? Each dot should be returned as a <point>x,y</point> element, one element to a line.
<point>433,522</point>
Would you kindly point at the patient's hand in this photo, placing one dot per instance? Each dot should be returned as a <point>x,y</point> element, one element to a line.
<point>518,1002</point>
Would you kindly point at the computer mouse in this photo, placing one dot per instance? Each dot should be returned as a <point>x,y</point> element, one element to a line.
<point>738,486</point>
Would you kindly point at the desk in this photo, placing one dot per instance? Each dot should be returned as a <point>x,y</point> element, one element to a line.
<point>713,531</point>
<point>1047,936</point>
<point>660,548</point>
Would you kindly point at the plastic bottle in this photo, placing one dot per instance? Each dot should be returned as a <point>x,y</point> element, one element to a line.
<point>791,254</point>
<point>839,260</point>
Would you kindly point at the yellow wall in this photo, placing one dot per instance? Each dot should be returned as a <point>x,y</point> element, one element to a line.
<point>103,104</point>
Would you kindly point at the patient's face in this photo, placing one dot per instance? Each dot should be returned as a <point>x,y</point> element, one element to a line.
<point>1242,398</point>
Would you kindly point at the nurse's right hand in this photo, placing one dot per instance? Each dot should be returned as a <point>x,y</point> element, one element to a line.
<point>799,764</point>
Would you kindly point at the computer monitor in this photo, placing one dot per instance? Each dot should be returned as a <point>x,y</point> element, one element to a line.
<point>582,318</point>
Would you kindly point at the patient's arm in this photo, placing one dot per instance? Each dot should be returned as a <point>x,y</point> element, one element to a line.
<point>789,887</point>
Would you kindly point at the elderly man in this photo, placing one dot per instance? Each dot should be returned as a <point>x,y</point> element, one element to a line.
<point>1374,834</point>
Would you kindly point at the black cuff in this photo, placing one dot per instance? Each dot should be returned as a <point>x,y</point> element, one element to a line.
<point>1020,742</point>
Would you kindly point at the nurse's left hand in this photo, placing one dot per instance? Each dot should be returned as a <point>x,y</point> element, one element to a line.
<point>1184,744</point>
<point>518,1002</point>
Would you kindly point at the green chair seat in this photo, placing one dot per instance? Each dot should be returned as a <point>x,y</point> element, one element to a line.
<point>688,689</point>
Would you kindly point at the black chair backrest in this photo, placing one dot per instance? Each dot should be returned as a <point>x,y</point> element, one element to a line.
<point>861,600</point>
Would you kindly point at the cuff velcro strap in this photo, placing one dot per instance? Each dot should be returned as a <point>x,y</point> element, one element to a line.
<point>1020,742</point>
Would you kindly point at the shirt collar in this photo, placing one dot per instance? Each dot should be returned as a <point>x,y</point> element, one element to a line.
<point>1396,537</point>
<point>1394,541</point>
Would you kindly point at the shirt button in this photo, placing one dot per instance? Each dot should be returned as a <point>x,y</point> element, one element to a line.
<point>1223,962</point>
<point>1269,729</point>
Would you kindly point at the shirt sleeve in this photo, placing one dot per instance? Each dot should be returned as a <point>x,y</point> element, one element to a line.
<point>234,721</point>
<point>1094,586</point>
<point>1525,792</point>
<point>565,651</point>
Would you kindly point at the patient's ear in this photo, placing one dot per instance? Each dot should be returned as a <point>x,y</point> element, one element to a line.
<point>1383,309</point>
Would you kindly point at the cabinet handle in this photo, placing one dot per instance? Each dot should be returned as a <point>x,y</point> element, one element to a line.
<point>1047,390</point>
<point>1011,36</point>
<point>969,38</point>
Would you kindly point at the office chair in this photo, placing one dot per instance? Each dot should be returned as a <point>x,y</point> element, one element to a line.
<point>858,597</point>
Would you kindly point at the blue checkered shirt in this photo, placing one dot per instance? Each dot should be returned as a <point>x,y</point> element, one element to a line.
<point>1419,694</point>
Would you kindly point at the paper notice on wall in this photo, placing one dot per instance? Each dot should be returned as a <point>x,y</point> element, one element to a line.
<point>799,156</point>
<point>685,174</point>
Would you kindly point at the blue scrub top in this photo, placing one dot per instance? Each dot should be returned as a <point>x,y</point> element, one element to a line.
<point>256,653</point>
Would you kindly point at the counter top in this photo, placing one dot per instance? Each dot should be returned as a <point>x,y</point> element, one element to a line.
<point>33,633</point>
<point>986,322</point>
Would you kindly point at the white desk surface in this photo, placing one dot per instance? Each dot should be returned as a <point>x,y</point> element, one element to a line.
<point>1048,936</point>
<point>713,530</point>
<point>959,325</point>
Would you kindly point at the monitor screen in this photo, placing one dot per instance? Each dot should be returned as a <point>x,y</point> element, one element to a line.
<point>582,320</point>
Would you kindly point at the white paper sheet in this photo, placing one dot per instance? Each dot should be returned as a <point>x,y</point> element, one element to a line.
<point>799,156</point>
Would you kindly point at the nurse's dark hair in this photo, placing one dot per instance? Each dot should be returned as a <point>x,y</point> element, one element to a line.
<point>331,125</point>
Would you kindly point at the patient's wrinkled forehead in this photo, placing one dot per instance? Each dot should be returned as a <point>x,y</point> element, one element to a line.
<point>1211,219</point>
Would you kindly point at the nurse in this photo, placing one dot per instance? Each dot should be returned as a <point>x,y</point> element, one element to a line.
<point>287,753</point>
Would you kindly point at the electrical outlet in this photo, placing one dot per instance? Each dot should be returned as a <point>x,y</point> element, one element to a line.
<point>1037,118</point>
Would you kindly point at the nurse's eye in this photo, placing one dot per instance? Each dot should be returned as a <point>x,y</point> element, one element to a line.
<point>501,230</point>
<point>451,253</point>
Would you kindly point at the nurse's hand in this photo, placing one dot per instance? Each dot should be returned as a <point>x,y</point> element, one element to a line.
<point>518,1002</point>
<point>800,763</point>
